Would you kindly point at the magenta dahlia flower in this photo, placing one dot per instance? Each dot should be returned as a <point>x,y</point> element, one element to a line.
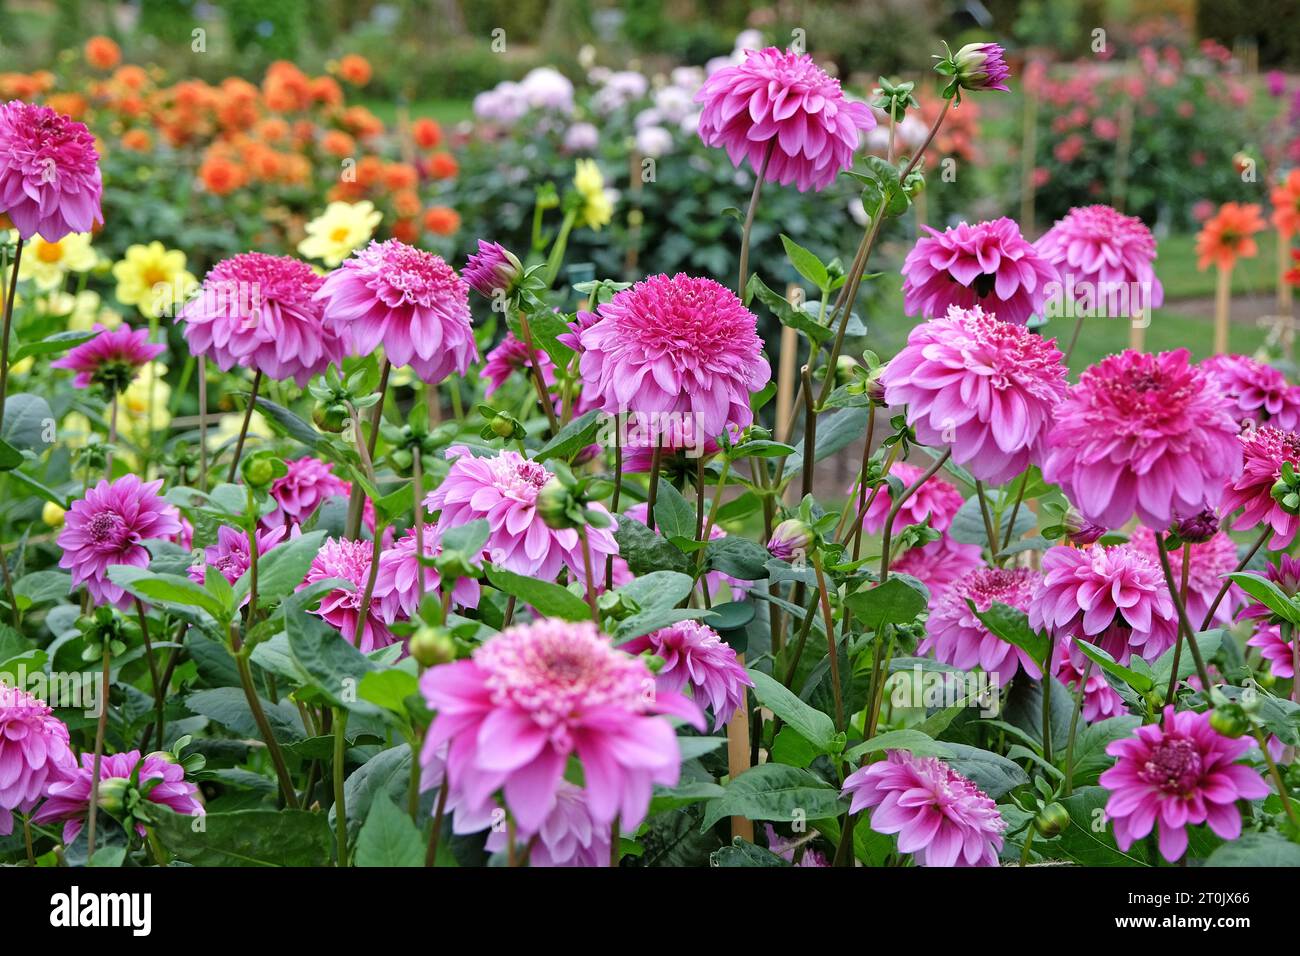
<point>695,656</point>
<point>989,264</point>
<point>395,582</point>
<point>50,183</point>
<point>1142,434</point>
<point>781,112</point>
<point>503,490</point>
<point>493,271</point>
<point>1272,647</point>
<point>939,564</point>
<point>941,818</point>
<point>259,311</point>
<point>349,560</point>
<point>511,356</point>
<point>676,345</point>
<point>981,66</point>
<point>1103,257</point>
<point>407,300</point>
<point>536,695</point>
<point>297,495</point>
<point>1211,561</point>
<point>1180,772</point>
<point>1100,700</point>
<point>111,359</point>
<point>69,798</point>
<point>230,555</point>
<point>1250,489</point>
<point>957,637</point>
<point>34,752</point>
<point>1256,393</point>
<point>110,526</point>
<point>1113,597</point>
<point>984,388</point>
<point>937,501</point>
<point>567,837</point>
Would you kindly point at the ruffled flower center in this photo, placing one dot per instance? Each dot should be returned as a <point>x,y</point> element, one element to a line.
<point>107,529</point>
<point>1174,766</point>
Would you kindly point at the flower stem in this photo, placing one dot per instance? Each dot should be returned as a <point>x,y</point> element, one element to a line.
<point>535,372</point>
<point>988,518</point>
<point>356,500</point>
<point>809,431</point>
<point>590,579</point>
<point>910,490</point>
<point>9,298</point>
<point>1046,683</point>
<point>656,463</point>
<point>832,649</point>
<point>1277,779</point>
<point>340,805</point>
<point>749,219</point>
<point>1015,510</point>
<point>243,429</point>
<point>203,423</point>
<point>1074,726</point>
<point>158,689</point>
<point>112,437</point>
<point>363,612</point>
<point>618,492</point>
<point>1184,623</point>
<point>1178,640</point>
<point>96,766</point>
<point>431,855</point>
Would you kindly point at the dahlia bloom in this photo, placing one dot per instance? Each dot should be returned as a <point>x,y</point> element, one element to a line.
<point>306,485</point>
<point>109,526</point>
<point>1279,653</point>
<point>939,564</point>
<point>937,501</point>
<point>941,818</point>
<point>957,637</point>
<point>1114,597</point>
<point>785,115</point>
<point>395,582</point>
<point>1180,772</point>
<point>535,695</point>
<point>1228,234</point>
<point>503,490</point>
<point>69,798</point>
<point>1102,254</point>
<point>1265,449</point>
<point>567,837</point>
<point>111,358</point>
<point>259,311</point>
<point>511,356</point>
<point>1100,700</point>
<point>984,388</point>
<point>695,655</point>
<point>230,555</point>
<point>981,66</point>
<point>407,300</point>
<point>1211,562</point>
<point>49,172</point>
<point>1142,434</point>
<point>1256,393</point>
<point>989,264</point>
<point>1285,197</point>
<point>493,271</point>
<point>676,345</point>
<point>33,752</point>
<point>349,560</point>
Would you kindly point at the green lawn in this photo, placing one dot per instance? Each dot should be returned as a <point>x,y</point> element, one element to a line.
<point>1176,267</point>
<point>446,112</point>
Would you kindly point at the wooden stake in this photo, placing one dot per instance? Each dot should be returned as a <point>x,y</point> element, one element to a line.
<point>1222,296</point>
<point>1283,266</point>
<point>738,760</point>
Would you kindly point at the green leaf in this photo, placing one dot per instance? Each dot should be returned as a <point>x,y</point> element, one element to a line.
<point>28,419</point>
<point>548,598</point>
<point>1268,594</point>
<point>1089,839</point>
<point>743,853</point>
<point>645,551</point>
<point>10,457</point>
<point>894,602</point>
<point>913,741</point>
<point>50,345</point>
<point>834,433</point>
<point>388,773</point>
<point>572,438</point>
<point>247,838</point>
<point>674,517</point>
<point>993,773</point>
<point>657,595</point>
<point>388,837</point>
<point>287,423</point>
<point>1012,625</point>
<point>335,667</point>
<point>43,587</point>
<point>1139,682</point>
<point>739,557</point>
<point>168,590</point>
<point>229,707</point>
<point>805,263</point>
<point>786,313</point>
<point>389,688</point>
<point>774,791</point>
<point>282,568</point>
<point>1256,849</point>
<point>813,725</point>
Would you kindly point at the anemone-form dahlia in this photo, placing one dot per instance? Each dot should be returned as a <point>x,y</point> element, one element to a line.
<point>980,386</point>
<point>230,555</point>
<point>1272,647</point>
<point>1104,256</point>
<point>69,798</point>
<point>302,489</point>
<point>511,356</point>
<point>109,526</point>
<point>676,344</point>
<point>1265,450</point>
<point>399,569</point>
<point>695,656</point>
<point>1255,392</point>
<point>1179,772</point>
<point>989,264</point>
<point>1142,434</point>
<point>259,311</point>
<point>534,696</point>
<point>941,818</point>
<point>493,271</point>
<point>936,501</point>
<point>50,183</point>
<point>957,637</point>
<point>111,359</point>
<point>407,300</point>
<point>938,564</point>
<point>1114,597</point>
<point>1211,561</point>
<point>567,837</point>
<point>1100,700</point>
<point>34,752</point>
<point>783,114</point>
<point>503,490</point>
<point>349,560</point>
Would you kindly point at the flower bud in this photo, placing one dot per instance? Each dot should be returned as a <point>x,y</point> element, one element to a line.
<point>1052,819</point>
<point>844,368</point>
<point>553,503</point>
<point>1199,528</point>
<point>331,417</point>
<point>166,756</point>
<point>1230,720</point>
<point>980,66</point>
<point>503,426</point>
<point>790,538</point>
<point>52,515</point>
<point>258,472</point>
<point>493,270</point>
<point>112,794</point>
<point>431,646</point>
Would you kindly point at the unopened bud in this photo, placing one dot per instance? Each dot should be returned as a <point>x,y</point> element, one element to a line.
<point>431,646</point>
<point>790,538</point>
<point>1052,819</point>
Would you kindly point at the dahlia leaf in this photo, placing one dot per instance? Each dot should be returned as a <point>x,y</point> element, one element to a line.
<point>168,590</point>
<point>674,517</point>
<point>228,707</point>
<point>806,263</point>
<point>913,741</point>
<point>896,601</point>
<point>549,598</point>
<point>1256,849</point>
<point>388,837</point>
<point>1012,625</point>
<point>1267,593</point>
<point>28,419</point>
<point>811,724</point>
<point>833,433</point>
<point>281,569</point>
<point>247,838</point>
<point>572,438</point>
<point>773,791</point>
<point>1139,682</point>
<point>743,853</point>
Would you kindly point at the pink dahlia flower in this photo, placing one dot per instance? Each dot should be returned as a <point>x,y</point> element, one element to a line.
<point>534,696</point>
<point>643,431</point>
<point>111,358</point>
<point>957,637</point>
<point>395,583</point>
<point>407,300</point>
<point>297,495</point>
<point>937,501</point>
<point>676,345</point>
<point>511,356</point>
<point>939,564</point>
<point>1142,434</point>
<point>989,265</point>
<point>941,818</point>
<point>787,847</point>
<point>695,656</point>
<point>567,837</point>
<point>1279,653</point>
<point>69,798</point>
<point>503,490</point>
<point>493,271</point>
<point>110,526</point>
<point>50,183</point>
<point>349,560</point>
<point>984,388</point>
<point>259,311</point>
<point>1104,256</point>
<point>715,581</point>
<point>1113,597</point>
<point>981,66</point>
<point>230,555</point>
<point>784,114</point>
<point>1250,489</point>
<point>1256,393</point>
<point>34,752</point>
<point>1211,561</point>
<point>1100,700</point>
<point>1179,772</point>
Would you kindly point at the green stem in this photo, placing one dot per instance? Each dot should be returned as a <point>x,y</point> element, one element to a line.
<point>832,649</point>
<point>1074,726</point>
<point>1015,510</point>
<point>96,766</point>
<point>1184,623</point>
<point>590,577</point>
<point>8,326</point>
<point>894,508</point>
<point>363,613</point>
<point>1278,782</point>
<point>243,429</point>
<point>1046,684</point>
<point>989,533</point>
<point>340,806</point>
<point>264,728</point>
<point>158,689</point>
<point>749,218</point>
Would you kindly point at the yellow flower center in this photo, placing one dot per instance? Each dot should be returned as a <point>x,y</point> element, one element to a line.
<point>153,275</point>
<point>49,251</point>
<point>340,234</point>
